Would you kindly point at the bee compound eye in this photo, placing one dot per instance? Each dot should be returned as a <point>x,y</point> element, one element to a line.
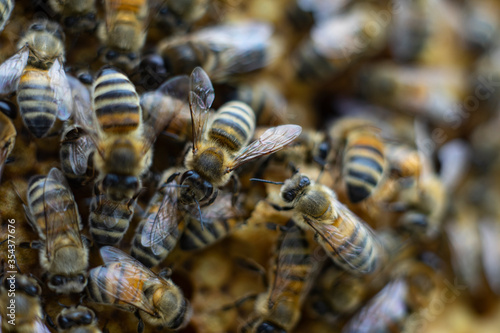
<point>57,280</point>
<point>64,322</point>
<point>81,278</point>
<point>87,318</point>
<point>111,55</point>
<point>70,21</point>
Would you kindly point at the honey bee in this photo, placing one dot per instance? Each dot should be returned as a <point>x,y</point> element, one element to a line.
<point>76,319</point>
<point>406,293</point>
<point>27,314</point>
<point>36,72</point>
<point>76,16</point>
<point>6,7</point>
<point>7,137</point>
<point>121,138</point>
<point>109,219</point>
<point>223,51</point>
<point>350,242</point>
<point>159,230</point>
<point>335,43</point>
<point>363,156</point>
<point>124,33</point>
<point>126,283</point>
<point>216,222</point>
<point>53,213</point>
<point>279,309</point>
<point>176,16</point>
<point>222,146</point>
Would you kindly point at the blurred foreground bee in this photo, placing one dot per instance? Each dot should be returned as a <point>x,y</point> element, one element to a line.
<point>223,51</point>
<point>76,15</point>
<point>222,146</point>
<point>410,290</point>
<point>335,43</point>
<point>26,315</point>
<point>124,33</point>
<point>159,230</point>
<point>215,223</point>
<point>279,309</point>
<point>77,319</point>
<point>53,213</point>
<point>6,7</point>
<point>126,283</point>
<point>350,242</point>
<point>36,72</point>
<point>362,150</point>
<point>7,138</point>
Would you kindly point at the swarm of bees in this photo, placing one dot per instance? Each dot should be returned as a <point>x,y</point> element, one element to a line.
<point>231,166</point>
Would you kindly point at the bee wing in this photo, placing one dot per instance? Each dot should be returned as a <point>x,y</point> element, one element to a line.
<point>336,239</point>
<point>201,97</point>
<point>62,91</point>
<point>61,214</point>
<point>126,273</point>
<point>272,140</point>
<point>11,70</point>
<point>40,327</point>
<point>162,224</point>
<point>286,263</point>
<point>79,152</point>
<point>111,210</point>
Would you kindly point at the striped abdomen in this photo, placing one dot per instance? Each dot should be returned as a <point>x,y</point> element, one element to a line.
<point>116,102</point>
<point>6,7</point>
<point>41,194</point>
<point>195,238</point>
<point>104,212</point>
<point>358,251</point>
<point>233,126</point>
<point>363,164</point>
<point>36,101</point>
<point>112,277</point>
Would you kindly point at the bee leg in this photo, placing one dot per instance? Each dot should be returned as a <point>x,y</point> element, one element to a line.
<point>140,325</point>
<point>87,241</point>
<point>294,169</point>
<point>236,189</point>
<point>279,208</point>
<point>212,198</point>
<point>238,302</point>
<point>172,177</point>
<point>253,266</point>
<point>37,245</point>
<point>165,273</point>
<point>50,322</point>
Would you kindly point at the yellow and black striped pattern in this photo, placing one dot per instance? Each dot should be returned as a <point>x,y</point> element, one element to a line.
<point>363,164</point>
<point>103,212</point>
<point>233,126</point>
<point>36,101</point>
<point>196,238</point>
<point>6,7</point>
<point>116,102</point>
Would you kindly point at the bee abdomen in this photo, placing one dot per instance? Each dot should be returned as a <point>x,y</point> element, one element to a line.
<point>116,102</point>
<point>194,238</point>
<point>119,214</point>
<point>363,168</point>
<point>233,126</point>
<point>36,102</point>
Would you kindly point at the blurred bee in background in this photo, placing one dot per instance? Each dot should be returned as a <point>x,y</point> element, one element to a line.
<point>76,16</point>
<point>335,43</point>
<point>279,309</point>
<point>350,242</point>
<point>7,132</point>
<point>53,213</point>
<point>412,288</point>
<point>265,99</point>
<point>223,51</point>
<point>124,33</point>
<point>481,25</point>
<point>36,72</point>
<point>159,230</point>
<point>361,154</point>
<point>76,319</point>
<point>25,291</point>
<point>178,16</point>
<point>6,7</point>
<point>126,283</point>
<point>216,222</point>
<point>303,14</point>
<point>76,145</point>
<point>222,146</point>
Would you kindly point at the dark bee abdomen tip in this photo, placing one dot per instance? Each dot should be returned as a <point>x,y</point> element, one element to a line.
<point>357,193</point>
<point>39,128</point>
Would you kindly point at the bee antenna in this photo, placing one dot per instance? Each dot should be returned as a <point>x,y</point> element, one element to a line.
<point>266,181</point>
<point>199,211</point>
<point>63,305</point>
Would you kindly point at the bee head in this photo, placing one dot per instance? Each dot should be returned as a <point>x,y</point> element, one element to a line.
<point>78,316</point>
<point>197,188</point>
<point>64,284</point>
<point>23,283</point>
<point>294,187</point>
